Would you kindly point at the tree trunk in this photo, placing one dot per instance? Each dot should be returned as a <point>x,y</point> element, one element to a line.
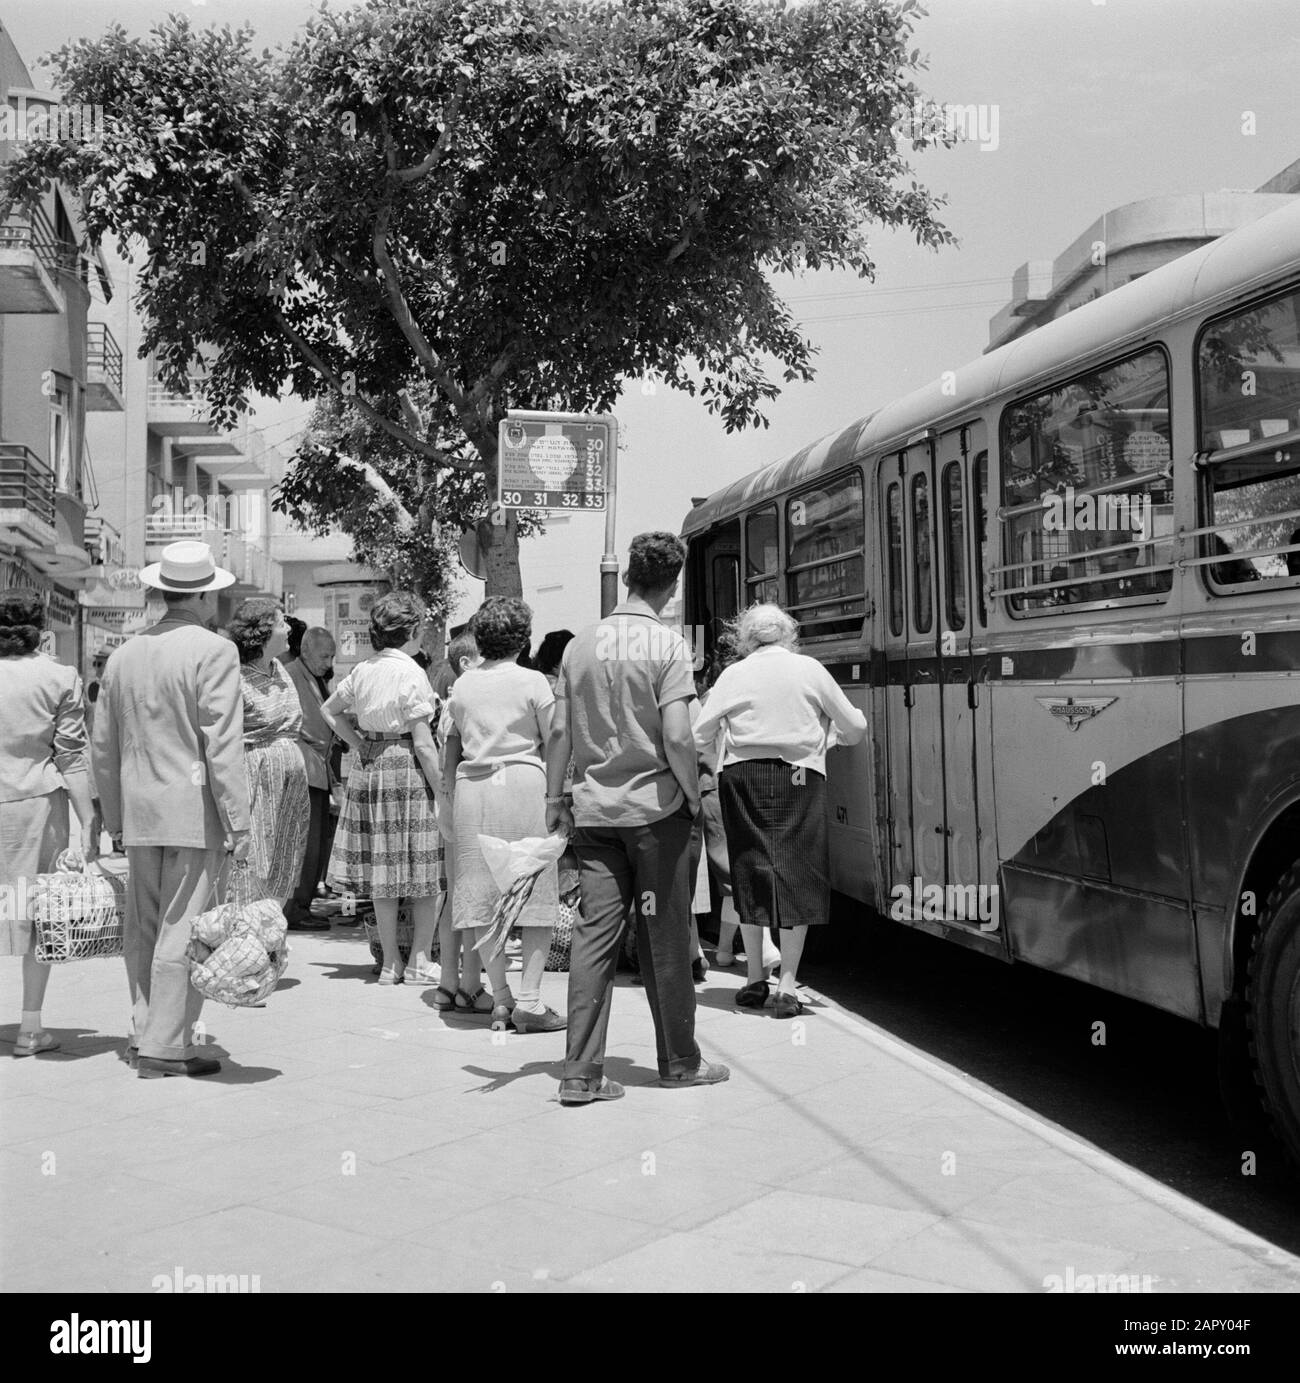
<point>500,544</point>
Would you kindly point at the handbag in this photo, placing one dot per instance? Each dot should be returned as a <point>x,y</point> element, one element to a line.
<point>239,950</point>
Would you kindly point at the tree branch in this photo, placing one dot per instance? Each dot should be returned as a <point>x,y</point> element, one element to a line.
<point>431,160</point>
<point>405,522</point>
<point>406,322</point>
<point>331,377</point>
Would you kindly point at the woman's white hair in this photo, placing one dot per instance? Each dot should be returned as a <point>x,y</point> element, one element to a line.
<point>765,624</point>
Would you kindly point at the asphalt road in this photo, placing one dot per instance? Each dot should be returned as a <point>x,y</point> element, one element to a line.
<point>1149,1096</point>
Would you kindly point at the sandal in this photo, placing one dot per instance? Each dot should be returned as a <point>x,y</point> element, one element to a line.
<point>469,1003</point>
<point>444,999</point>
<point>753,995</point>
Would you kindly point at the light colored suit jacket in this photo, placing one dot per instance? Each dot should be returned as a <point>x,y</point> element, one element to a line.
<point>168,744</point>
<point>315,736</point>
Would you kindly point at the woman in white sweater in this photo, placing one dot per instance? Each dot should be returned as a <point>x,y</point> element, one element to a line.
<point>780,711</point>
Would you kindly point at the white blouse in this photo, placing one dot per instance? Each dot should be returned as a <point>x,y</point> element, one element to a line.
<point>386,693</point>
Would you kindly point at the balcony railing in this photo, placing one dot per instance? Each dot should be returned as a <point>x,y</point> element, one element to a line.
<point>26,490</point>
<point>103,369</point>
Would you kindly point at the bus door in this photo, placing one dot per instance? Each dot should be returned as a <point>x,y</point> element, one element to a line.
<point>969,858</point>
<point>716,586</point>
<point>914,758</point>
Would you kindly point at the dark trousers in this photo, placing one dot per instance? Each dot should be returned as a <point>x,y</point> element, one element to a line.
<point>648,868</point>
<point>314,858</point>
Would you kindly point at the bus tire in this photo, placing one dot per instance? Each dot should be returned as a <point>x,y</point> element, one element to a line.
<point>1273,1008</point>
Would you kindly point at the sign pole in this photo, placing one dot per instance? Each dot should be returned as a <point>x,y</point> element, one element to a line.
<point>609,558</point>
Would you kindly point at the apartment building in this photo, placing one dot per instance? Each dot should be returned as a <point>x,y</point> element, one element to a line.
<point>54,374</point>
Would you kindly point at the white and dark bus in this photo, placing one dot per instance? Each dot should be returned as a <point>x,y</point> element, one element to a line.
<point>1063,585</point>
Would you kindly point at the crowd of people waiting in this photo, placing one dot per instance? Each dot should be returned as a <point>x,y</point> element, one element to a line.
<point>210,748</point>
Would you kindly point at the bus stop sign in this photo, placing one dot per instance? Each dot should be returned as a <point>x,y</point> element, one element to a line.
<point>553,460</point>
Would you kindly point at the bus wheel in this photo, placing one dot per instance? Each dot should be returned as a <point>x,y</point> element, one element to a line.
<point>1273,1007</point>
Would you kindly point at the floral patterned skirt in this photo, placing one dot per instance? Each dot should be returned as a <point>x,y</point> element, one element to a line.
<point>281,812</point>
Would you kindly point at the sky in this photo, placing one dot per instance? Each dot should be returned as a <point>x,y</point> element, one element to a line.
<point>1096,104</point>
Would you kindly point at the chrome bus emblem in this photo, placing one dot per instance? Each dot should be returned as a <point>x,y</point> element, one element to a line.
<point>1075,711</point>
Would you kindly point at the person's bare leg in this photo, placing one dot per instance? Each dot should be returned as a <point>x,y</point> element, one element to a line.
<point>35,978</point>
<point>386,922</point>
<point>755,970</point>
<point>728,924</point>
<point>424,920</point>
<point>792,940</point>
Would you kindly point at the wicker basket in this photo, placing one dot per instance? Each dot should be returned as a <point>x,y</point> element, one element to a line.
<point>77,914</point>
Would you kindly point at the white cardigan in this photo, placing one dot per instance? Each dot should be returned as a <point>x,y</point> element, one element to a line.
<point>778,704</point>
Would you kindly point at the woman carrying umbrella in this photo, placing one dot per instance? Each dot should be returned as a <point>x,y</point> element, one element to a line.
<point>499,715</point>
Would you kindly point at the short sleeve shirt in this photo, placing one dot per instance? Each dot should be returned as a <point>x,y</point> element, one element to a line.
<point>615,679</point>
<point>387,693</point>
<point>495,711</point>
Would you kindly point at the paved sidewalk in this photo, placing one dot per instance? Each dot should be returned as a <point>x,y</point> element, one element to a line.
<point>357,1140</point>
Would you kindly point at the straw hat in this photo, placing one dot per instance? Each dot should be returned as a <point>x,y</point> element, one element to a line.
<point>187,568</point>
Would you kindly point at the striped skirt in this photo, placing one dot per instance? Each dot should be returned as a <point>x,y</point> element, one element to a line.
<point>281,812</point>
<point>778,843</point>
<point>387,844</point>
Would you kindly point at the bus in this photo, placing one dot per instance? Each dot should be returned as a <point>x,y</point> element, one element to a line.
<point>1062,584</point>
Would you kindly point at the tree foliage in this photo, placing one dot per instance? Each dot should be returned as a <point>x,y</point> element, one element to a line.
<point>520,202</point>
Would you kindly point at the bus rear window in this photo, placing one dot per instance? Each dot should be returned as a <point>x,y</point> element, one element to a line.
<point>1087,497</point>
<point>1248,368</point>
<point>825,556</point>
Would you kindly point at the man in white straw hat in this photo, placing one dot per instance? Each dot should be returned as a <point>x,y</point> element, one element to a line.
<point>168,757</point>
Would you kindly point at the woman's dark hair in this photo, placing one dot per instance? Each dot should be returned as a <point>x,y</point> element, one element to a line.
<point>654,560</point>
<point>251,625</point>
<point>22,617</point>
<point>551,650</point>
<point>297,628</point>
<point>502,626</point>
<point>394,618</point>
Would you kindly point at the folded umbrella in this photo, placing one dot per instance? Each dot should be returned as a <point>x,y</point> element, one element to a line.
<point>515,866</point>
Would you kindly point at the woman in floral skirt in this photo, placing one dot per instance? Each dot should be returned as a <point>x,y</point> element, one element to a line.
<point>277,773</point>
<point>386,846</point>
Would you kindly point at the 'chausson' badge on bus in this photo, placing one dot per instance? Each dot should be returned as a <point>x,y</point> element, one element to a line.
<point>1075,711</point>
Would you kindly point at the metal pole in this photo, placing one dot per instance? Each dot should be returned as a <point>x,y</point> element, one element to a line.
<point>609,558</point>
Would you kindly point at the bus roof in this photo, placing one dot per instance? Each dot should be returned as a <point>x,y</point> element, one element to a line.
<point>1236,262</point>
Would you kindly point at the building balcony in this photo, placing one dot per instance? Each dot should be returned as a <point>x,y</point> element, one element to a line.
<point>26,498</point>
<point>31,260</point>
<point>104,544</point>
<point>103,370</point>
<point>169,414</point>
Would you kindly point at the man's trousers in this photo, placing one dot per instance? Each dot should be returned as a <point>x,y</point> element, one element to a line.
<point>167,887</point>
<point>648,868</point>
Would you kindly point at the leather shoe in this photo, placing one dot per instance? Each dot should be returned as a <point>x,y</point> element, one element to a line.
<point>581,1091</point>
<point>152,1067</point>
<point>707,1073</point>
<point>33,1043</point>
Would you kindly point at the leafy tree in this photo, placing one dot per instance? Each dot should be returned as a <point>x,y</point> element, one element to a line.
<point>521,202</point>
